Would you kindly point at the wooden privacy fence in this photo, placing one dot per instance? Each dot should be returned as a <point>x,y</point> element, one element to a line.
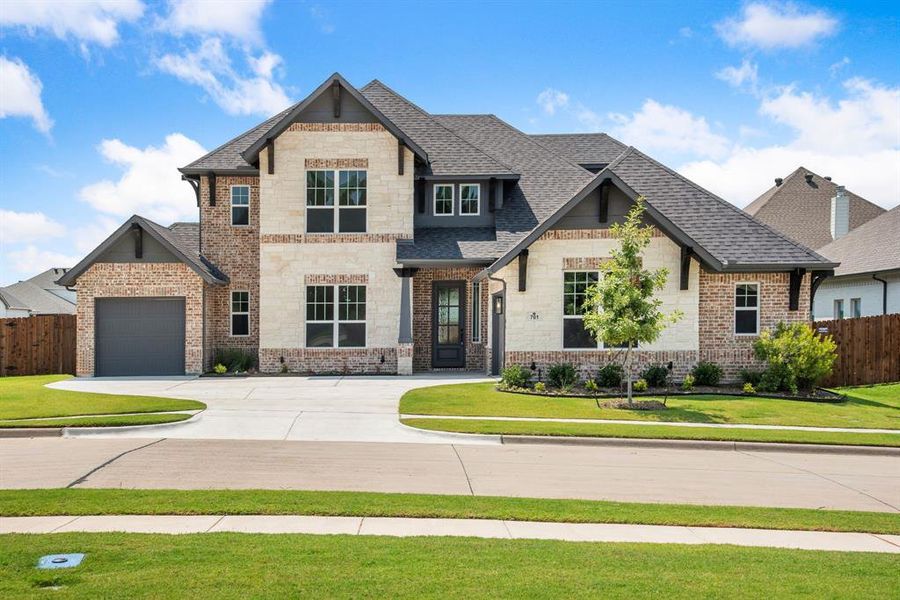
<point>868,349</point>
<point>37,345</point>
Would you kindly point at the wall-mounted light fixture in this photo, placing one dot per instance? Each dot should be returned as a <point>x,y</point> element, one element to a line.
<point>498,305</point>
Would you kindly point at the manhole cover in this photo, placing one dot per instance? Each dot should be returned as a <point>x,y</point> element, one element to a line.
<point>60,561</point>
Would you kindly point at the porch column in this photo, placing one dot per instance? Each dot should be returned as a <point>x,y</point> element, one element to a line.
<point>405,339</point>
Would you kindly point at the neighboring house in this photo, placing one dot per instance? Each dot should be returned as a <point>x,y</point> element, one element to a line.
<point>867,282</point>
<point>810,209</point>
<point>40,295</point>
<point>356,233</point>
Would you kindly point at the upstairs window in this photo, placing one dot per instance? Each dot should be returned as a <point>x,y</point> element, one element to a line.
<point>352,201</point>
<point>349,216</point>
<point>320,201</point>
<point>470,198</point>
<point>443,199</point>
<point>240,205</point>
<point>344,327</point>
<point>240,313</point>
<point>575,285</point>
<point>746,309</point>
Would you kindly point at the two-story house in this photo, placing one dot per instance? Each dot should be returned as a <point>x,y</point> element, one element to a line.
<point>357,233</point>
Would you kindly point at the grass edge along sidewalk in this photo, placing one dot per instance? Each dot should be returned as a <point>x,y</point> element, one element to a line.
<point>79,502</point>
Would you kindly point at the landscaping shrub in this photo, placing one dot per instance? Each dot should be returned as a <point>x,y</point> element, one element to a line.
<point>640,385</point>
<point>749,389</point>
<point>610,376</point>
<point>707,373</point>
<point>235,360</point>
<point>591,386</point>
<point>655,375</point>
<point>515,376</point>
<point>562,375</point>
<point>751,376</point>
<point>688,383</point>
<point>540,386</point>
<point>220,369</point>
<point>797,357</point>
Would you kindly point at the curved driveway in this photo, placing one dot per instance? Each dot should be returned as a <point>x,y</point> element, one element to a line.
<point>334,409</point>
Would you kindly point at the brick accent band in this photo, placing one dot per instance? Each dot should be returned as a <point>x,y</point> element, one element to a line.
<point>587,362</point>
<point>353,361</point>
<point>336,163</point>
<point>572,263</point>
<point>331,238</point>
<point>337,127</point>
<point>326,279</point>
<point>585,234</point>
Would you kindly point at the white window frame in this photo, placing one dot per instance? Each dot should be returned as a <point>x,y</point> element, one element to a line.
<point>855,303</point>
<point>336,319</point>
<point>838,304</point>
<point>434,199</point>
<point>476,311</point>
<point>477,212</point>
<point>232,314</point>
<point>231,205</point>
<point>336,207</point>
<point>735,308</point>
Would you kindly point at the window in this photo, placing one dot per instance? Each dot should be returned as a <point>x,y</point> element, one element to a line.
<point>855,307</point>
<point>476,311</point>
<point>352,201</point>
<point>240,205</point>
<point>746,309</point>
<point>443,199</point>
<point>469,198</point>
<point>320,201</point>
<point>348,329</point>
<point>240,313</point>
<point>575,285</point>
<point>838,309</point>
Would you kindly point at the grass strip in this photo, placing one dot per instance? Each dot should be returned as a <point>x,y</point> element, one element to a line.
<point>228,565</point>
<point>77,502</point>
<point>615,430</point>
<point>107,421</point>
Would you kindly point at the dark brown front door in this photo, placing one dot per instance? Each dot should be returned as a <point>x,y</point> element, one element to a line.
<point>448,324</point>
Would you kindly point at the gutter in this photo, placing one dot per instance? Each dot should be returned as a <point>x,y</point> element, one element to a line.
<point>884,291</point>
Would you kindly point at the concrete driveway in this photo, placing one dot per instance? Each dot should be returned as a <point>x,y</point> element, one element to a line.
<point>336,409</point>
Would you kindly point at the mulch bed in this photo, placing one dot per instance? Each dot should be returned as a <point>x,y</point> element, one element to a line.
<point>818,395</point>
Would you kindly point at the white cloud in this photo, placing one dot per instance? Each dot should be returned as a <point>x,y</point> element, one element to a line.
<point>87,237</point>
<point>94,21</point>
<point>835,68</point>
<point>151,185</point>
<point>550,100</point>
<point>776,25</point>
<point>240,20</point>
<point>662,127</point>
<point>18,227</point>
<point>21,93</point>
<point>746,76</point>
<point>210,68</point>
<point>30,260</point>
<point>686,32</point>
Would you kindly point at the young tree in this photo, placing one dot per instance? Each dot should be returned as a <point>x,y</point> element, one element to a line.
<point>621,309</point>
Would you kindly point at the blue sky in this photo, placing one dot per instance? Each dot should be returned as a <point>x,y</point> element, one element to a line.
<point>101,100</point>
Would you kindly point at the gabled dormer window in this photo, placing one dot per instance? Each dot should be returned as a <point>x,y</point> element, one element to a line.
<point>443,199</point>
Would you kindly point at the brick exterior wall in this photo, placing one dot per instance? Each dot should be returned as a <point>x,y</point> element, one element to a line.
<point>135,280</point>
<point>422,316</point>
<point>324,361</point>
<point>234,250</point>
<point>588,361</point>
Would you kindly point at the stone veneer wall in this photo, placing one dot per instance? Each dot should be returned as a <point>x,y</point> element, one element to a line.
<point>135,280</point>
<point>234,250</point>
<point>422,316</point>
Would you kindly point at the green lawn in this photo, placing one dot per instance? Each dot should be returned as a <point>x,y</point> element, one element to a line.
<point>110,421</point>
<point>228,565</point>
<point>20,503</point>
<point>866,407</point>
<point>26,398</point>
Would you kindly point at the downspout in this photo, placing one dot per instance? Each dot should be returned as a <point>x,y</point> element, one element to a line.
<point>883,293</point>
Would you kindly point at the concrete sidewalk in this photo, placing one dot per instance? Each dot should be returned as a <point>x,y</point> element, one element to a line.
<point>479,528</point>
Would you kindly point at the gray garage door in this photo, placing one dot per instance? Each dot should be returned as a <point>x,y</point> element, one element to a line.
<point>139,336</point>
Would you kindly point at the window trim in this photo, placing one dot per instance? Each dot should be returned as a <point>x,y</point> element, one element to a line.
<point>434,199</point>
<point>735,309</point>
<point>838,302</point>
<point>477,203</point>
<point>858,304</point>
<point>231,204</point>
<point>231,314</point>
<point>336,205</point>
<point>336,320</point>
<point>599,345</point>
<point>476,312</point>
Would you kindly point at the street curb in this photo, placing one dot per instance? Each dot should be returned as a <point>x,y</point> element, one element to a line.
<point>72,432</point>
<point>31,432</point>
<point>699,445</point>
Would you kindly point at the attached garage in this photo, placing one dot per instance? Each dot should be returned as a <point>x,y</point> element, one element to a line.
<point>138,336</point>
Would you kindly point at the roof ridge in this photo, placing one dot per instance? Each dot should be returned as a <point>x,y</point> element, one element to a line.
<point>729,205</point>
<point>441,125</point>
<point>239,136</point>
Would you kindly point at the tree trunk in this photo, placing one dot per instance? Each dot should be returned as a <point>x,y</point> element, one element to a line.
<point>628,373</point>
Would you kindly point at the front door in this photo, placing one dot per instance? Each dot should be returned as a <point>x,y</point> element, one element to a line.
<point>448,324</point>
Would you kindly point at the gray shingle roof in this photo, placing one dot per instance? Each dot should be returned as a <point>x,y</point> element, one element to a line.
<point>874,246</point>
<point>451,243</point>
<point>10,301</point>
<point>38,300</point>
<point>583,148</point>
<point>448,153</point>
<point>802,210</point>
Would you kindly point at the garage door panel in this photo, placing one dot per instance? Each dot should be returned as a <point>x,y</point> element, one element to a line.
<point>139,336</point>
